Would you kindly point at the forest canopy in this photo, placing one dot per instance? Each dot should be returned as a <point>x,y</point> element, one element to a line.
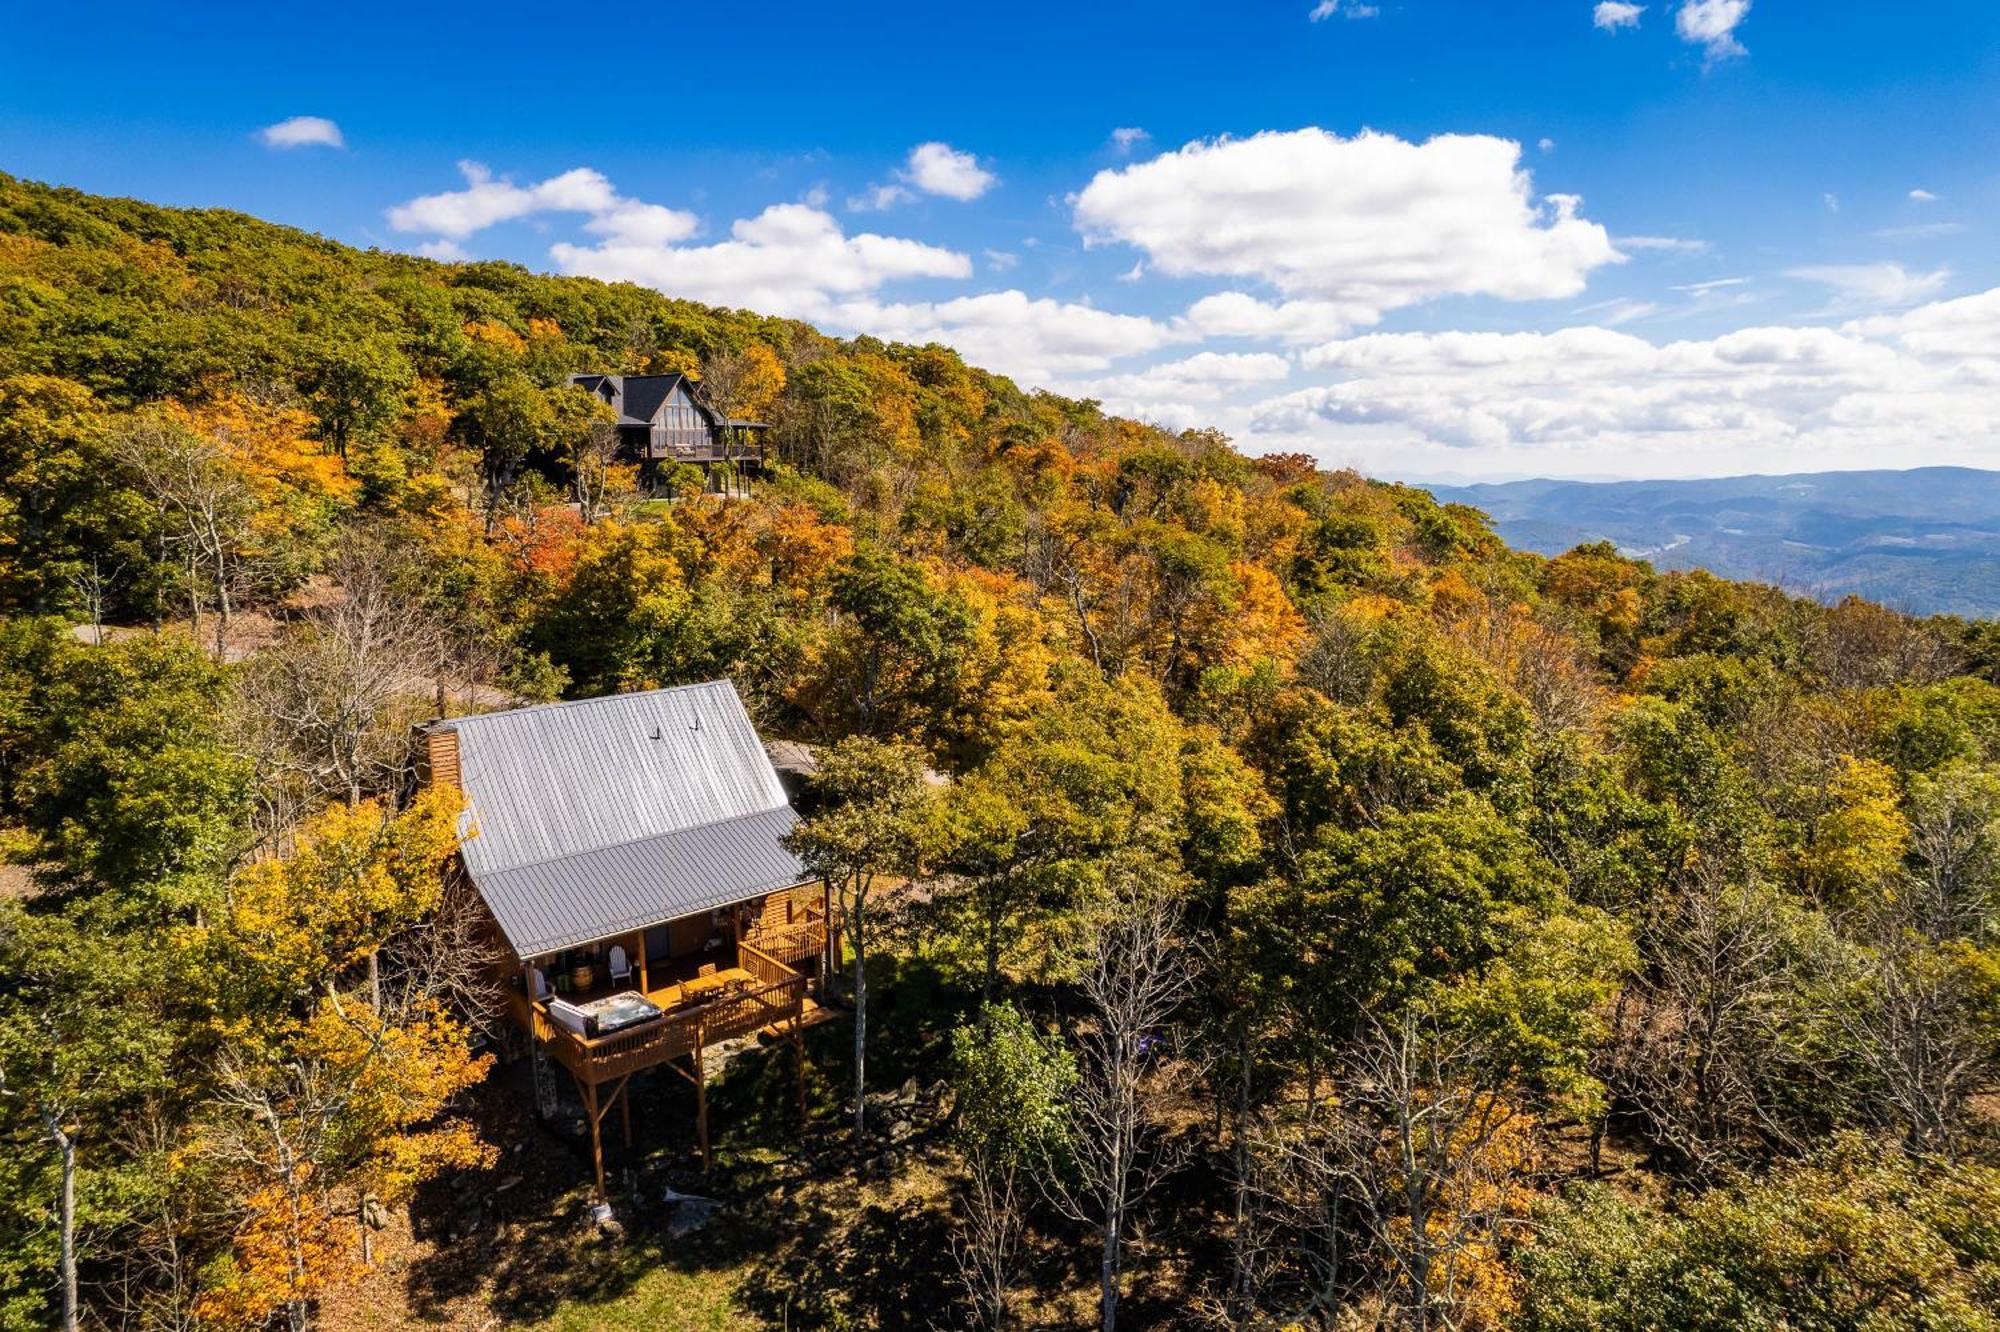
<point>1511,940</point>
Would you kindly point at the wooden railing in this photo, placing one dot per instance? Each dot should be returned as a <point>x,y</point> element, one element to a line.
<point>791,944</point>
<point>777,995</point>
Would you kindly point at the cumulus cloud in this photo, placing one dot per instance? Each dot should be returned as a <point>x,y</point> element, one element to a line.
<point>1712,24</point>
<point>1369,224</point>
<point>302,132</point>
<point>1353,9</point>
<point>939,168</point>
<point>1182,394</point>
<point>1922,196</point>
<point>790,259</point>
<point>1126,138</point>
<point>1235,314</point>
<point>1907,387</point>
<point>1035,339</point>
<point>1611,15</point>
<point>1873,285</point>
<point>488,200</point>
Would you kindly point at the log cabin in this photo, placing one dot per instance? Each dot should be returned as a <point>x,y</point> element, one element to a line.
<point>628,856</point>
<point>667,419</point>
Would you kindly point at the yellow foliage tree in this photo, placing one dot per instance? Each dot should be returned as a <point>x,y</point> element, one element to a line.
<point>333,1079</point>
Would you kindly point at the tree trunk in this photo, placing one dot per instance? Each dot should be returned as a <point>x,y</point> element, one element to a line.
<point>66,1219</point>
<point>1108,1272</point>
<point>860,1030</point>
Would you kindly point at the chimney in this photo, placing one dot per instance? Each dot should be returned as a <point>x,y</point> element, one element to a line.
<point>441,755</point>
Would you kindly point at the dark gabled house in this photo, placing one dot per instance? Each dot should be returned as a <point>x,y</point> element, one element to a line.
<point>667,419</point>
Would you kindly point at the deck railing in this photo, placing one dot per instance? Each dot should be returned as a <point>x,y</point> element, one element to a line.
<point>791,944</point>
<point>776,994</point>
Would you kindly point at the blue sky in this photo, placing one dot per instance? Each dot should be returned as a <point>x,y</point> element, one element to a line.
<point>1426,237</point>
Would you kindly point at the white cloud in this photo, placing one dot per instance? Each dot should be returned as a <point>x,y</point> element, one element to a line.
<point>1669,244</point>
<point>1623,310</point>
<point>1712,24</point>
<point>1921,231</point>
<point>1182,394</point>
<point>1888,390</point>
<point>1000,260</point>
<point>1546,144</point>
<point>1126,138</point>
<point>939,168</point>
<point>448,250</point>
<point>1233,314</point>
<point>1352,9</point>
<point>1922,196</point>
<point>302,132</point>
<point>790,259</point>
<point>1873,285</point>
<point>1035,340</point>
<point>1831,200</point>
<point>1370,223</point>
<point>1611,15</point>
<point>488,200</point>
<point>878,197</point>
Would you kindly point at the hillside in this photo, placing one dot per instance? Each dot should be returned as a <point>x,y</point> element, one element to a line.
<point>1266,896</point>
<point>1926,541</point>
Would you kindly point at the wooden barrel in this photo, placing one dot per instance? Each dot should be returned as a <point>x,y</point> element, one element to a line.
<point>582,976</point>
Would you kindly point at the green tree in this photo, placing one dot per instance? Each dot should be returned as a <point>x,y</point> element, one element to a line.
<point>1010,1123</point>
<point>878,826</point>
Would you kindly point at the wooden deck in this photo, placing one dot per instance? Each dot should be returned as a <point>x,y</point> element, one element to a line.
<point>762,994</point>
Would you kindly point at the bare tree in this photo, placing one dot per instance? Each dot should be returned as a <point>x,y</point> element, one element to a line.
<point>1714,1047</point>
<point>341,690</point>
<point>92,586</point>
<point>1433,1153</point>
<point>594,461</point>
<point>1135,981</point>
<point>205,503</point>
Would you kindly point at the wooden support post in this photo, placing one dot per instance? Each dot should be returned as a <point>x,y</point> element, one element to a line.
<point>596,1139</point>
<point>799,1048</point>
<point>701,1102</point>
<point>625,1108</point>
<point>642,962</point>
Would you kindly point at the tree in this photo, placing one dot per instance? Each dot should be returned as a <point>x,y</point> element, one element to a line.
<point>64,514</point>
<point>355,389</point>
<point>77,1045</point>
<point>204,504</point>
<point>878,825</point>
<point>1133,985</point>
<point>1010,1126</point>
<point>338,695</point>
<point>1855,1238</point>
<point>321,1094</point>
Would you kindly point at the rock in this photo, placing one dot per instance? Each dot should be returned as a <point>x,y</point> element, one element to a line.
<point>908,1093</point>
<point>511,1182</point>
<point>900,1129</point>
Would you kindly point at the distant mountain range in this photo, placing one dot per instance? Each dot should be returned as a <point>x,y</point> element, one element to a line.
<point>1925,541</point>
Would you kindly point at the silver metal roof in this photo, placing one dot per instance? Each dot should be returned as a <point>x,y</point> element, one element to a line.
<point>591,895</point>
<point>591,818</point>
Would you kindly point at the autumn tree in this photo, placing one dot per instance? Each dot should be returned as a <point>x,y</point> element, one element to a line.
<point>328,1105</point>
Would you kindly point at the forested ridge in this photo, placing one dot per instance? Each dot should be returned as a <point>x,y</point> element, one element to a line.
<point>1331,917</point>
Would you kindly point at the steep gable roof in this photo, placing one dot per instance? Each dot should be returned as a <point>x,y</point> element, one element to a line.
<point>592,818</point>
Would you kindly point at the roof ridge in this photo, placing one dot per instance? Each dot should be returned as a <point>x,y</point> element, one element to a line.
<point>452,723</point>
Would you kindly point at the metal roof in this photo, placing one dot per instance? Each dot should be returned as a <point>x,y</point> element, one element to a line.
<point>590,818</point>
<point>575,899</point>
